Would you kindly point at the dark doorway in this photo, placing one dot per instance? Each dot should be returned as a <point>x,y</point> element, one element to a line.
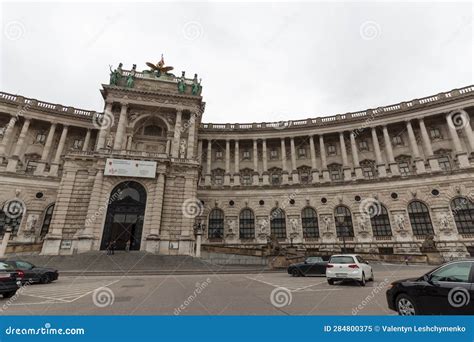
<point>124,220</point>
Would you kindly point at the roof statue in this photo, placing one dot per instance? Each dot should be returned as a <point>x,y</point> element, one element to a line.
<point>160,67</point>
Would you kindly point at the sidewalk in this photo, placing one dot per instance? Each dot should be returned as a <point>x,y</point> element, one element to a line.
<point>135,263</point>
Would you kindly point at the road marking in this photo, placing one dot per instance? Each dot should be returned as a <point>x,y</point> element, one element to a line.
<point>290,288</point>
<point>63,293</point>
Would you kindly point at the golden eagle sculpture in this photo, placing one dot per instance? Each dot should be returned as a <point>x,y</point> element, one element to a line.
<point>160,66</point>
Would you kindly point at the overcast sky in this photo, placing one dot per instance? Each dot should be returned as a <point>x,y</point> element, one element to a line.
<point>258,62</point>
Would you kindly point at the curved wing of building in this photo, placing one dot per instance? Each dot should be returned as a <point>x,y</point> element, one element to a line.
<point>147,174</point>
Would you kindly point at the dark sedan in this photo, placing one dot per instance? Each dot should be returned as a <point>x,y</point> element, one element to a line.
<point>446,290</point>
<point>9,280</point>
<point>33,274</point>
<point>311,266</point>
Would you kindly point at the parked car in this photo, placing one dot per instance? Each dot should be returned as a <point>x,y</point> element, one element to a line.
<point>445,290</point>
<point>348,267</point>
<point>311,266</point>
<point>9,280</point>
<point>30,273</point>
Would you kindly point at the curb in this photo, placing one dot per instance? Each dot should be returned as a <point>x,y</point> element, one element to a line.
<point>166,272</point>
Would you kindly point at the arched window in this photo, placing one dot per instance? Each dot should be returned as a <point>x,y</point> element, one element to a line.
<point>278,223</point>
<point>246,224</point>
<point>463,213</point>
<point>48,215</point>
<point>420,218</point>
<point>153,130</point>
<point>309,222</point>
<point>13,220</point>
<point>343,219</point>
<point>381,223</point>
<point>216,224</point>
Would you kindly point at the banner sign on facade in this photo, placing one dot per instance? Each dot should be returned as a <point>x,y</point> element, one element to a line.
<point>130,168</point>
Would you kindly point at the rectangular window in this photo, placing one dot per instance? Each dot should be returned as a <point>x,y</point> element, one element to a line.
<point>302,152</point>
<point>218,155</point>
<point>246,180</point>
<point>444,163</point>
<point>335,175</point>
<point>363,146</point>
<point>435,133</point>
<point>275,179</point>
<point>331,150</point>
<point>397,140</point>
<point>274,154</point>
<point>218,180</point>
<point>246,155</point>
<point>368,172</point>
<point>304,177</point>
<point>404,168</point>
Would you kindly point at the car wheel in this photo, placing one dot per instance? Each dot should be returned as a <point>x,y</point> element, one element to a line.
<point>295,272</point>
<point>405,305</point>
<point>331,281</point>
<point>362,282</point>
<point>9,294</point>
<point>45,279</point>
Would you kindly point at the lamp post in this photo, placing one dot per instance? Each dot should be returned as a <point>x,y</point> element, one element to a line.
<point>340,220</point>
<point>6,238</point>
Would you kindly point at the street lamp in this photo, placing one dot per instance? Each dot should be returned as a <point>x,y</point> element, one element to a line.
<point>340,217</point>
<point>199,228</point>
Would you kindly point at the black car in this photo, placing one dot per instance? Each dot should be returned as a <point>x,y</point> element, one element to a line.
<point>311,266</point>
<point>446,290</point>
<point>30,273</point>
<point>9,280</point>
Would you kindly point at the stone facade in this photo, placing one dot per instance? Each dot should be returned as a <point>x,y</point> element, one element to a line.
<point>376,181</point>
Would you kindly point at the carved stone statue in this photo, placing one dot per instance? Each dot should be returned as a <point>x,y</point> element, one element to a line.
<point>196,85</point>
<point>131,77</point>
<point>115,75</point>
<point>400,222</point>
<point>262,224</point>
<point>110,140</point>
<point>182,149</point>
<point>428,245</point>
<point>362,223</point>
<point>231,225</point>
<point>294,225</point>
<point>327,223</point>
<point>444,221</point>
<point>182,83</point>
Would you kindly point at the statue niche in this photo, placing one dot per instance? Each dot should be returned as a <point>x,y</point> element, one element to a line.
<point>150,136</point>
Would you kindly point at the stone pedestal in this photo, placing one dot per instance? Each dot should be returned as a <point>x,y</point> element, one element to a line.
<point>284,176</point>
<point>40,168</point>
<point>255,179</point>
<point>358,172</point>
<point>265,178</point>
<point>461,156</point>
<point>207,179</point>
<point>382,170</point>
<point>434,258</point>
<point>347,173</point>
<point>236,179</point>
<point>227,179</point>
<point>51,245</point>
<point>53,171</point>
<point>5,239</point>
<point>314,176</point>
<point>420,166</point>
<point>295,177</point>
<point>434,164</point>
<point>152,243</point>
<point>12,164</point>
<point>85,242</point>
<point>394,170</point>
<point>326,176</point>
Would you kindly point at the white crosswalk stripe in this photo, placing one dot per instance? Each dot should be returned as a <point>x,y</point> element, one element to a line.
<point>62,293</point>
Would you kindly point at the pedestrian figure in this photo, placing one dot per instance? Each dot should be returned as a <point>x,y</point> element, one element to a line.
<point>111,248</point>
<point>127,246</point>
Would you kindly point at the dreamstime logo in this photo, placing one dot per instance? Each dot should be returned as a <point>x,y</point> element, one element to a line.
<point>458,119</point>
<point>14,30</point>
<point>458,297</point>
<point>102,297</point>
<point>104,121</point>
<point>14,208</point>
<point>281,297</point>
<point>370,207</point>
<point>369,30</point>
<point>192,207</point>
<point>192,30</point>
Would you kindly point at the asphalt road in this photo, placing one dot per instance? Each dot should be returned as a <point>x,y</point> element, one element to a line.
<point>213,294</point>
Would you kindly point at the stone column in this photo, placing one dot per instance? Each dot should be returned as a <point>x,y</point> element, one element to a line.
<point>153,238</point>
<point>378,154</point>
<point>265,176</point>
<point>46,149</point>
<point>294,171</point>
<point>345,163</point>
<point>85,238</point>
<point>122,124</point>
<point>102,135</point>
<point>57,158</point>
<point>283,161</point>
<point>7,135</point>
<point>461,155</point>
<point>13,161</point>
<point>388,146</point>
<point>355,157</point>
<point>314,168</point>
<point>469,134</point>
<point>87,140</point>
<point>236,163</point>
<point>177,135</point>
<point>207,180</point>
<point>419,162</point>
<point>227,163</point>
<point>432,159</point>
<point>256,175</point>
<point>199,152</point>
<point>191,129</point>
<point>324,165</point>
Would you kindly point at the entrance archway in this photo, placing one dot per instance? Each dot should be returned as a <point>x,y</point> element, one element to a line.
<point>125,213</point>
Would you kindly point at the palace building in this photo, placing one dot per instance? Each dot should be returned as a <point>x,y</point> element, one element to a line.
<point>148,174</point>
